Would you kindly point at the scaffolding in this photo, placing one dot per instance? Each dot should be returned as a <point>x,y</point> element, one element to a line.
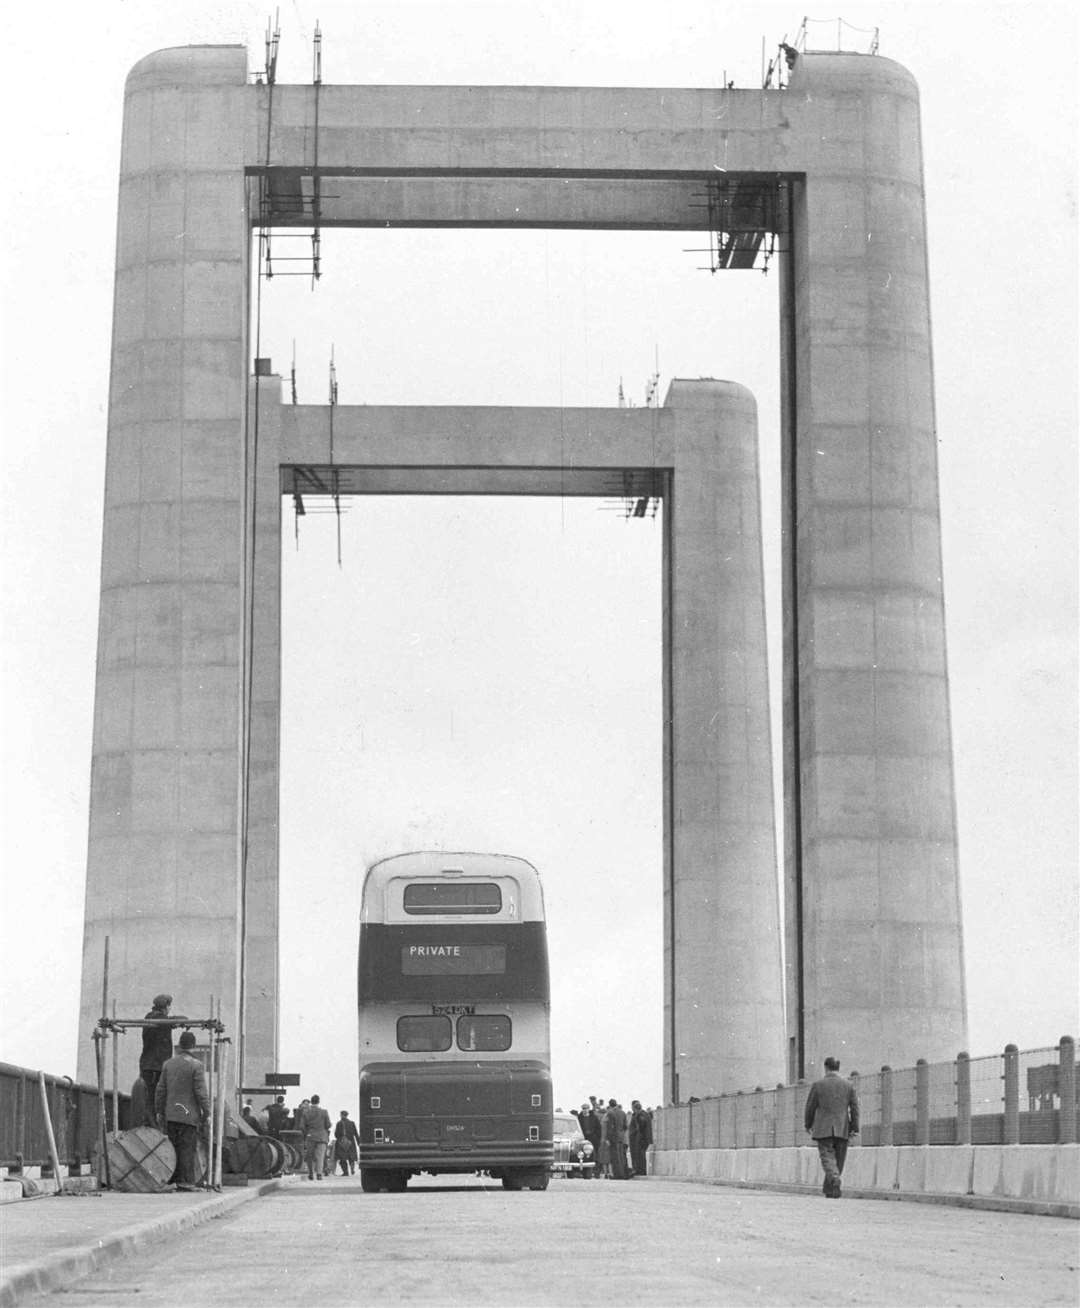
<point>215,1061</point>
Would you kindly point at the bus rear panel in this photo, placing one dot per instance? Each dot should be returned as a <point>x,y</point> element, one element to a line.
<point>456,1117</point>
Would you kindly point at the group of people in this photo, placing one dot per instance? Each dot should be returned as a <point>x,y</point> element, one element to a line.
<point>614,1133</point>
<point>322,1154</point>
<point>173,1091</point>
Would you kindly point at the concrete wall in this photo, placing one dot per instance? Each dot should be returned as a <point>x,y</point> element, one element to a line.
<point>1040,1175</point>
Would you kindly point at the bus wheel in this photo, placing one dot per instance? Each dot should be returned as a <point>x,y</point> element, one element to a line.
<point>370,1180</point>
<point>511,1181</point>
<point>536,1180</point>
<point>397,1181</point>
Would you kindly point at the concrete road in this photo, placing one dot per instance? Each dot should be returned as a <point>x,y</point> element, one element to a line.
<point>653,1242</point>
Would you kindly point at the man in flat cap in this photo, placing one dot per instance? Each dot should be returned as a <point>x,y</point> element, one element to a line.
<point>832,1117</point>
<point>157,1045</point>
<point>182,1107</point>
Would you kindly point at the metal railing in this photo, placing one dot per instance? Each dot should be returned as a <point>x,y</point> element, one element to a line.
<point>75,1111</point>
<point>1014,1097</point>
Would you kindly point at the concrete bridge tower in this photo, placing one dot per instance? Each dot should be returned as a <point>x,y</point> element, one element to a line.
<point>182,867</point>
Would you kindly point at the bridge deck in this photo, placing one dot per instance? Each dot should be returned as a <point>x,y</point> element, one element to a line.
<point>581,1242</point>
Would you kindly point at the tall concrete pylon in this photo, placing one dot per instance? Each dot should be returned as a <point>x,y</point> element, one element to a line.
<point>185,734</point>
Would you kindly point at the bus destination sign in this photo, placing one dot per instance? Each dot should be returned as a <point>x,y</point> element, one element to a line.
<point>452,960</point>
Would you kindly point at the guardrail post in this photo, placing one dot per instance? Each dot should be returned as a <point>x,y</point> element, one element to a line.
<point>1067,1090</point>
<point>922,1101</point>
<point>21,1149</point>
<point>1012,1095</point>
<point>886,1105</point>
<point>798,1107</point>
<point>963,1099</point>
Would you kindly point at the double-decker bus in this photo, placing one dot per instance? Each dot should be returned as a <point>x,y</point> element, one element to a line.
<point>454,1014</point>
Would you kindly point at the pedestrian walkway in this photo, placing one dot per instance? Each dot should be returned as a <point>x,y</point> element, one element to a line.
<point>48,1241</point>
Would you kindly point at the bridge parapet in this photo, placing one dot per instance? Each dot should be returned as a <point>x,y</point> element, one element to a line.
<point>1013,1098</point>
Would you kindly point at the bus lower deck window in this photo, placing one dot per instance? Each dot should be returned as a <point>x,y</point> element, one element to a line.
<point>417,1035</point>
<point>484,1031</point>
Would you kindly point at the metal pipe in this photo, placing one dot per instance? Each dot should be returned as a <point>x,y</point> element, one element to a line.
<point>105,982</point>
<point>53,1154</point>
<point>220,1110</point>
<point>1067,1090</point>
<point>115,1074</point>
<point>1011,1077</point>
<point>963,1099</point>
<point>104,1177</point>
<point>208,1179</point>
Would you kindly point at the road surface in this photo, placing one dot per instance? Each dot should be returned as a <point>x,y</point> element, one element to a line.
<point>655,1242</point>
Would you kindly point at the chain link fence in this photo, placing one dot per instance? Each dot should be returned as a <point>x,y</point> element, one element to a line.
<point>1015,1097</point>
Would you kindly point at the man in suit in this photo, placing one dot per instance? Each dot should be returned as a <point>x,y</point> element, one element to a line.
<point>314,1125</point>
<point>182,1107</point>
<point>832,1117</point>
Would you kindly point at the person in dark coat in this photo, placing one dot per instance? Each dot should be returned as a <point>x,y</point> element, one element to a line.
<point>640,1137</point>
<point>182,1106</point>
<point>157,1045</point>
<point>832,1117</point>
<point>590,1129</point>
<point>346,1140</point>
<point>278,1117</point>
<point>251,1117</point>
<point>614,1136</point>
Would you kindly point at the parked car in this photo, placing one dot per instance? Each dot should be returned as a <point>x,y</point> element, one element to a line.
<point>573,1153</point>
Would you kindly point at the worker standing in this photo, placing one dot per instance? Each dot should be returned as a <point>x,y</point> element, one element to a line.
<point>182,1106</point>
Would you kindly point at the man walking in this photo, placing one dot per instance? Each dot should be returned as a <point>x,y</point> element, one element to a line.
<point>346,1140</point>
<point>831,1117</point>
<point>314,1125</point>
<point>182,1106</point>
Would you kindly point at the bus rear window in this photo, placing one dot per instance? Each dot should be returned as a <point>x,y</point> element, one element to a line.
<point>472,897</point>
<point>424,1035</point>
<point>483,1031</point>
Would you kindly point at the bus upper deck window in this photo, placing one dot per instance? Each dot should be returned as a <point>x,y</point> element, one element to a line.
<point>449,897</point>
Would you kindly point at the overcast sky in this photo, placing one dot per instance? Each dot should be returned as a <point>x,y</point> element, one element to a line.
<point>486,674</point>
